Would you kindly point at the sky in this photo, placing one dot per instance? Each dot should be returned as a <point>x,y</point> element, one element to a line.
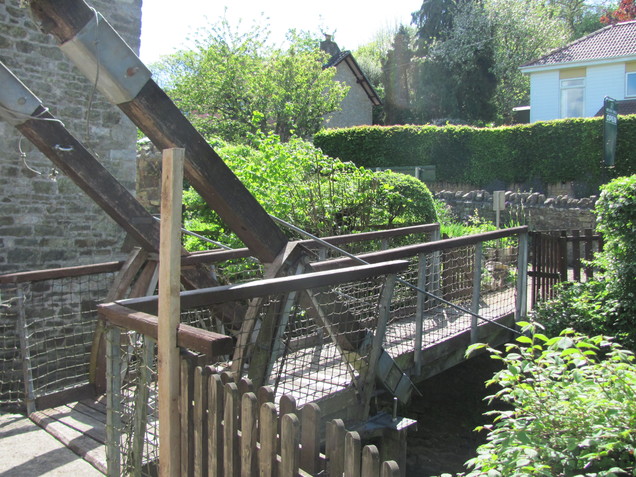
<point>166,24</point>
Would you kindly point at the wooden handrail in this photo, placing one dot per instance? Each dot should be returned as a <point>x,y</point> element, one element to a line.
<point>54,273</point>
<point>196,339</point>
<point>407,251</point>
<point>243,291</point>
<point>213,256</point>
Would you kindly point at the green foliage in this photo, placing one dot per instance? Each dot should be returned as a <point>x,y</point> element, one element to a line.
<point>569,409</point>
<point>296,182</point>
<point>538,153</point>
<point>230,75</point>
<point>608,305</point>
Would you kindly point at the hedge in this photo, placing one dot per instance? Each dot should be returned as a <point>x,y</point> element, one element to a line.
<point>568,150</point>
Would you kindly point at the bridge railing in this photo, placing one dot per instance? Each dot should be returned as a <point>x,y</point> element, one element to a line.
<point>132,374</point>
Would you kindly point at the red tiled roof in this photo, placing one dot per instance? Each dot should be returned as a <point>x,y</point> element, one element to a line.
<point>613,41</point>
<point>624,107</point>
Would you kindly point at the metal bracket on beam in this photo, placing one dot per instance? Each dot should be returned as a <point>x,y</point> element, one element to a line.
<point>104,57</point>
<point>17,102</point>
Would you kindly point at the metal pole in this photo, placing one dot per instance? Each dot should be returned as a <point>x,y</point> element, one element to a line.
<point>522,277</point>
<point>476,290</point>
<point>113,401</point>
<point>27,373</point>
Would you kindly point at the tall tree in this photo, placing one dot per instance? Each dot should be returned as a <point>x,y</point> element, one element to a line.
<point>397,71</point>
<point>230,75</point>
<point>626,11</point>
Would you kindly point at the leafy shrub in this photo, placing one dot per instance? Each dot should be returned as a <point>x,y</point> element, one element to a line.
<point>536,154</point>
<point>570,409</point>
<point>298,183</point>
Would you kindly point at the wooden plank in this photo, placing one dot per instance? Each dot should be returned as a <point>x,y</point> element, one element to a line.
<point>200,421</point>
<point>215,426</point>
<point>249,424</point>
<point>335,441</point>
<point>290,438</point>
<point>353,448</point>
<point>65,396</point>
<point>390,469</point>
<point>265,394</point>
<point>189,337</point>
<point>65,272</point>
<point>186,421</point>
<point>89,426</point>
<point>168,305</point>
<point>370,461</point>
<point>310,438</point>
<point>268,429</point>
<point>231,450</point>
<point>86,447</point>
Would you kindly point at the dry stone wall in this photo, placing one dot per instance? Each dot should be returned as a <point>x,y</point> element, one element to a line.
<point>525,208</point>
<point>47,223</point>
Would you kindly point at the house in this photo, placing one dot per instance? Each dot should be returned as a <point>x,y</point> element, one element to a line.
<point>572,81</point>
<point>357,106</point>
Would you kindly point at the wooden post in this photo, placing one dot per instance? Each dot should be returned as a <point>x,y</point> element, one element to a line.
<point>419,313</point>
<point>27,374</point>
<point>113,401</point>
<point>169,312</point>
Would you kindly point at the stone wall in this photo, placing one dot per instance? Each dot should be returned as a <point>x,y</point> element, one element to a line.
<point>525,208</point>
<point>47,223</point>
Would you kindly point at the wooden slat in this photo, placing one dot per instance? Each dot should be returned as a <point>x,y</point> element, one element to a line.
<point>185,442</point>
<point>353,448</point>
<point>249,434</point>
<point>268,429</point>
<point>310,438</point>
<point>200,419</point>
<point>215,428</point>
<point>290,437</point>
<point>335,441</point>
<point>231,451</point>
<point>66,272</point>
<point>370,461</point>
<point>390,469</point>
<point>84,446</point>
<point>87,425</point>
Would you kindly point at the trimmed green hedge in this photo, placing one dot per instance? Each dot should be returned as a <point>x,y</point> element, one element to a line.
<point>533,154</point>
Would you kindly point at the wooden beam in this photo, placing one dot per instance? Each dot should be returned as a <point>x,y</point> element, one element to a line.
<point>159,118</point>
<point>189,337</point>
<point>71,157</point>
<point>169,313</point>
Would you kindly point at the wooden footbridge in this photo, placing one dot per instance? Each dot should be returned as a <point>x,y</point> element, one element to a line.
<point>301,332</point>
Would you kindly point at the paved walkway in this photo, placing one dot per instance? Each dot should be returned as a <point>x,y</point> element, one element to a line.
<point>26,450</point>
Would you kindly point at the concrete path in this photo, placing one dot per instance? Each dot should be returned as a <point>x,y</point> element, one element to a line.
<point>26,450</point>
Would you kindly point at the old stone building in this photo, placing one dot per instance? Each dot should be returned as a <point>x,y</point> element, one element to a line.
<point>46,221</point>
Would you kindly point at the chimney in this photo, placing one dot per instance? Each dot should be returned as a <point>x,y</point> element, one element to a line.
<point>329,46</point>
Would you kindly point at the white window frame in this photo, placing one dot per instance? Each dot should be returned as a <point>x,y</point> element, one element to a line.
<point>630,75</point>
<point>574,83</point>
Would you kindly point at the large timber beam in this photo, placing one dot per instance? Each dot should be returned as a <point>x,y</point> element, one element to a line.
<point>72,22</point>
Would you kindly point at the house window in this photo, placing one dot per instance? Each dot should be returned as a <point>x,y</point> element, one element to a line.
<point>572,97</point>
<point>630,84</point>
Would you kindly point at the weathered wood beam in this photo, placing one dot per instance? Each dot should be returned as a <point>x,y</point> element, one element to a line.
<point>71,157</point>
<point>159,118</point>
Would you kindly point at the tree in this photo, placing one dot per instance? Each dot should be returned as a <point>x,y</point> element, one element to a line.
<point>626,11</point>
<point>396,74</point>
<point>230,75</point>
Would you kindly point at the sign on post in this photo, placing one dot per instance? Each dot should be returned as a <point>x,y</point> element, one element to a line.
<point>610,130</point>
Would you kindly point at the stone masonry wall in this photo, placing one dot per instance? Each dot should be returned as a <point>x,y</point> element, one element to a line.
<point>48,223</point>
<point>525,208</point>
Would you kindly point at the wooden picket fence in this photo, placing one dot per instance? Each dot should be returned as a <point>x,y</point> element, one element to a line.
<point>229,429</point>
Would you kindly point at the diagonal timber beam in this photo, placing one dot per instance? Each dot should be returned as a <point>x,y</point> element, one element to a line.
<point>148,106</point>
<point>68,154</point>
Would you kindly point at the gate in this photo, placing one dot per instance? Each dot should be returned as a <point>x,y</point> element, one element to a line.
<point>560,256</point>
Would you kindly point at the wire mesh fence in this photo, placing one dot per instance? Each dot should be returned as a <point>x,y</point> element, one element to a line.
<point>46,333</point>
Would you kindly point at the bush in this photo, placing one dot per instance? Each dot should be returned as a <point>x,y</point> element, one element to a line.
<point>570,409</point>
<point>297,183</point>
<point>534,154</point>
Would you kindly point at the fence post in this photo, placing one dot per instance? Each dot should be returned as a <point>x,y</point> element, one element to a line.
<point>113,401</point>
<point>419,314</point>
<point>522,277</point>
<point>27,373</point>
<point>479,247</point>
